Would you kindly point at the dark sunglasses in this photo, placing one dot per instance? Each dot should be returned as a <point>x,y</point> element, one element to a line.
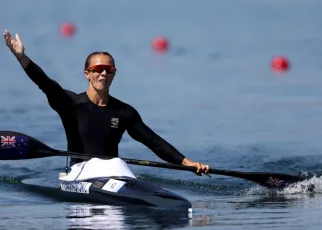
<point>109,69</point>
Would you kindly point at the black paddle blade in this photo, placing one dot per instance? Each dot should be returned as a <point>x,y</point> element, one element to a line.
<point>269,179</point>
<point>275,180</point>
<point>19,146</point>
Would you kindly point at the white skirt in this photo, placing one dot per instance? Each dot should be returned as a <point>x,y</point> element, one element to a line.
<point>96,168</point>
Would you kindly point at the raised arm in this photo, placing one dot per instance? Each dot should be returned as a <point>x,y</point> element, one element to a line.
<point>143,134</point>
<point>56,95</point>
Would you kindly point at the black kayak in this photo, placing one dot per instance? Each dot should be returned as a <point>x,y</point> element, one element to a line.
<point>111,191</point>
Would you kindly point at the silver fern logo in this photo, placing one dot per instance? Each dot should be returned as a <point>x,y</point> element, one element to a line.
<point>274,182</point>
<point>114,122</point>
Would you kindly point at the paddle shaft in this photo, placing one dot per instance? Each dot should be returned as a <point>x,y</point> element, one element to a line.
<point>259,177</point>
<point>54,152</point>
<point>142,162</point>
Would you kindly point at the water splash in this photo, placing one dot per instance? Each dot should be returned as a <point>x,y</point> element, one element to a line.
<point>309,186</point>
<point>303,187</point>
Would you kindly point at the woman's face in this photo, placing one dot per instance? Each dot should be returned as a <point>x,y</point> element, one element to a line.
<point>100,72</point>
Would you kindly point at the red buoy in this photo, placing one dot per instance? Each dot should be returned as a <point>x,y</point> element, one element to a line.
<point>67,29</point>
<point>160,44</point>
<point>280,64</point>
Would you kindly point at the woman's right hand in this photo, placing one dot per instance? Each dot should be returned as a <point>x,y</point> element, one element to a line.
<point>15,45</point>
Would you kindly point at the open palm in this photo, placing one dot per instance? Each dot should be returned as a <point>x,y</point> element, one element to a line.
<point>15,45</point>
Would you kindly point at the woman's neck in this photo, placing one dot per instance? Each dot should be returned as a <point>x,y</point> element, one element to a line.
<point>98,98</point>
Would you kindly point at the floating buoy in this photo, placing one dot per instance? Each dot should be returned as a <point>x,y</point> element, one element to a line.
<point>160,44</point>
<point>67,29</point>
<point>280,64</point>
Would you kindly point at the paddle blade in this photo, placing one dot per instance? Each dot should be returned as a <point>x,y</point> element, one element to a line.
<point>269,180</point>
<point>275,180</point>
<point>18,146</point>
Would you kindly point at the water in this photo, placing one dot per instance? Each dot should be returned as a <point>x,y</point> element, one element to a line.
<point>213,96</point>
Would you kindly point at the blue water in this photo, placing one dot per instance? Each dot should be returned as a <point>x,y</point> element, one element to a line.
<point>212,95</point>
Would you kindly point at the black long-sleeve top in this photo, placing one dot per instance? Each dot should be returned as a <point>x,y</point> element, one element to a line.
<point>98,130</point>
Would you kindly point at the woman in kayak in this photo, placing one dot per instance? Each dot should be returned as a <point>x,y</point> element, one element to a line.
<point>94,121</point>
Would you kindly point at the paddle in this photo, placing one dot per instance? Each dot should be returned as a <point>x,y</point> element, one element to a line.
<point>18,146</point>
